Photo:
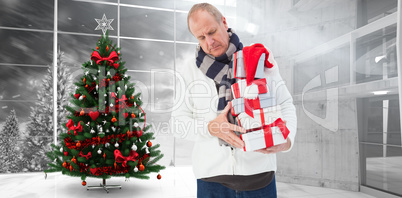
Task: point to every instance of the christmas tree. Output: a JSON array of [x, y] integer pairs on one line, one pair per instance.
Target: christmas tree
[[106, 134], [40, 125], [10, 157]]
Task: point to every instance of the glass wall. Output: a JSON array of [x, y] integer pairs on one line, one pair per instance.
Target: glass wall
[[153, 37]]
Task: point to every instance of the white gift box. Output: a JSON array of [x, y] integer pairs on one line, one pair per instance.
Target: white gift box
[[240, 88], [262, 138], [262, 101], [262, 117]]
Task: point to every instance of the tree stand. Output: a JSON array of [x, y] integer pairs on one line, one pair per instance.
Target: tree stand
[[104, 186]]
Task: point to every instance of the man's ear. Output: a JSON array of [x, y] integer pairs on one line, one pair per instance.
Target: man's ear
[[223, 19]]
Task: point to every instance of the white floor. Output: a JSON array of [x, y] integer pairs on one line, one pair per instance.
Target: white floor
[[175, 182]]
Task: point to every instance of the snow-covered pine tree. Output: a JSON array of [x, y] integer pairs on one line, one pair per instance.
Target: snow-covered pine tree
[[40, 124], [10, 155]]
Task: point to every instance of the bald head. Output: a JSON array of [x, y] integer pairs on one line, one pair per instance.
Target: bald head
[[212, 10]]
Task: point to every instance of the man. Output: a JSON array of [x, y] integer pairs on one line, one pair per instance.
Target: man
[[204, 114]]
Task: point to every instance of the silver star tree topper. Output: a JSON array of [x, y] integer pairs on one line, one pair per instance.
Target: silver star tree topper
[[104, 24]]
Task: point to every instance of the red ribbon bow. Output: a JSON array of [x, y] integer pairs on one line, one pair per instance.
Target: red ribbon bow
[[119, 158], [122, 99], [269, 141], [89, 155], [111, 59], [70, 126]]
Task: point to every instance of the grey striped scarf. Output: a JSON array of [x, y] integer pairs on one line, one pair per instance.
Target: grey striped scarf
[[220, 69]]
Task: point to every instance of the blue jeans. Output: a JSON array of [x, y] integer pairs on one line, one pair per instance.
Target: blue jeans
[[217, 190]]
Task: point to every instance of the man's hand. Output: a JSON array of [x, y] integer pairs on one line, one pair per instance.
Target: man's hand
[[276, 148], [221, 128]]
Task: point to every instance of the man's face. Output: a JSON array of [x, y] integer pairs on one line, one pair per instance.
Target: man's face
[[211, 35]]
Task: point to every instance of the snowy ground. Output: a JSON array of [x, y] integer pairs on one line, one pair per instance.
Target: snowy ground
[[176, 182]]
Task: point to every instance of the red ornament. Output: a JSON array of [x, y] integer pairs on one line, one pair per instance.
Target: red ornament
[[84, 183], [107, 48], [83, 96], [71, 168], [132, 97], [83, 80], [65, 164], [141, 167], [78, 144], [114, 119], [132, 115], [159, 176], [77, 95], [149, 143], [82, 112], [125, 115], [97, 47], [139, 133], [65, 153], [94, 115], [104, 155], [86, 86], [74, 160]]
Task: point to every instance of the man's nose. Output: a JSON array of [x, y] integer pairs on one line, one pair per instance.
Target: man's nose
[[210, 40]]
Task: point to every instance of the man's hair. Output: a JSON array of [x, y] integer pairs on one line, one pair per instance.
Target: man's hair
[[212, 10]]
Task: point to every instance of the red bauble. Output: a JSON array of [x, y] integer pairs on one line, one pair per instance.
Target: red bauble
[[71, 168], [114, 119], [78, 144], [97, 47], [64, 164], [65, 153], [141, 167], [133, 115], [149, 143], [138, 133], [84, 183], [159, 176], [107, 48]]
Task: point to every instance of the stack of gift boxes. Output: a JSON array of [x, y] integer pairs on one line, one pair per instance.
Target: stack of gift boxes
[[255, 108]]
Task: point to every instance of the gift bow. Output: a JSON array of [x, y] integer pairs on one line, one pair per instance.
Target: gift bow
[[70, 126], [88, 155], [119, 158], [269, 141], [111, 59]]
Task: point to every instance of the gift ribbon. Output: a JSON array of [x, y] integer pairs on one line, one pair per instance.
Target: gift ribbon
[[119, 158], [70, 126], [88, 155], [269, 141], [111, 59], [261, 84], [252, 104]]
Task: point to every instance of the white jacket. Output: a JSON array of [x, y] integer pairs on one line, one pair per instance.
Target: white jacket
[[196, 104]]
